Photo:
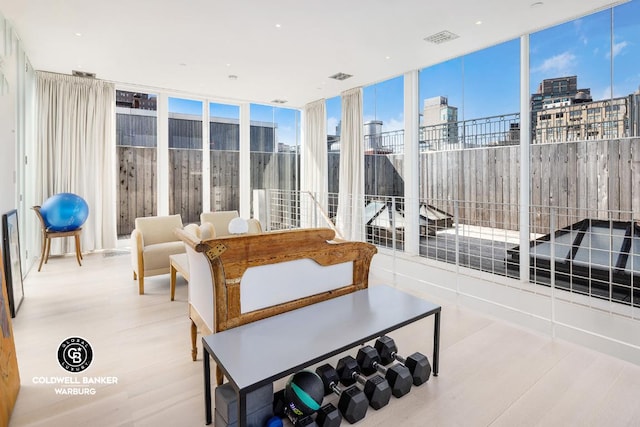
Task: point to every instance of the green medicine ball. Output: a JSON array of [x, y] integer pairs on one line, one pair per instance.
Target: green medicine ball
[[304, 392]]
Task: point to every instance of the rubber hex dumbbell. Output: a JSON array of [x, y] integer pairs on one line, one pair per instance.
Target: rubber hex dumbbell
[[417, 363], [353, 403], [282, 410], [376, 388], [398, 376], [328, 416]]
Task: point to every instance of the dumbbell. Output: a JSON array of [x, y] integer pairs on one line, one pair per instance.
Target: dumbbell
[[353, 403], [327, 416], [398, 376], [376, 388], [417, 363], [281, 409]]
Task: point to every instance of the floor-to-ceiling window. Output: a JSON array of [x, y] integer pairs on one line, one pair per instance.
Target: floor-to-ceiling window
[[469, 136], [224, 150], [136, 145], [275, 158], [185, 158], [584, 126], [334, 113], [383, 120]]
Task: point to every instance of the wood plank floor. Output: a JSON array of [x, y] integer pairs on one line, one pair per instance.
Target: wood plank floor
[[492, 373]]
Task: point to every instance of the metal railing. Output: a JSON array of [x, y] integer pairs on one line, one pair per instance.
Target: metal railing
[[583, 253], [476, 133]]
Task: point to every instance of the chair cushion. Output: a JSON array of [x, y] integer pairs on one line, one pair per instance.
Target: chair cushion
[[220, 221], [158, 229], [156, 257]]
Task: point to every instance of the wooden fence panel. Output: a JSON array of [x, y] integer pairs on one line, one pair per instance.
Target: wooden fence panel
[[578, 179]]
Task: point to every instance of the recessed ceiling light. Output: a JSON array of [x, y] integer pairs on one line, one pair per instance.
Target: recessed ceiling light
[[182, 64], [279, 101], [278, 26], [228, 65], [478, 22], [387, 57], [78, 34], [537, 4], [233, 77]]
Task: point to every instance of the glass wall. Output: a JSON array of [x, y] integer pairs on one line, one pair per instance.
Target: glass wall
[[383, 120], [224, 150], [469, 156], [136, 146], [275, 161], [333, 107], [185, 158]]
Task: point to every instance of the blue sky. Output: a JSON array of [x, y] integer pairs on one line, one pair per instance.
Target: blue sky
[[486, 83], [287, 119]]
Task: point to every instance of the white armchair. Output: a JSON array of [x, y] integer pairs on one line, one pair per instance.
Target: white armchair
[[153, 241], [219, 221]]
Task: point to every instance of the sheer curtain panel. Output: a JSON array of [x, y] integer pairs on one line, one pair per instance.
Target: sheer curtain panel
[[351, 187], [314, 183], [75, 151]]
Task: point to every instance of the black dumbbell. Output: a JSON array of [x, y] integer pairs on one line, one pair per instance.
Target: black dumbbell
[[417, 363], [353, 403], [328, 416], [398, 376], [376, 388], [282, 410]]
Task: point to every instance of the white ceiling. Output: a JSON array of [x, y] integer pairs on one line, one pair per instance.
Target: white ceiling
[[193, 46]]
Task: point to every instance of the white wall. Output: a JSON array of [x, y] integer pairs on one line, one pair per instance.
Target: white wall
[[610, 328], [8, 107]]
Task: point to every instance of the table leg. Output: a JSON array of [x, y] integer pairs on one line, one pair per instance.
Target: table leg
[[207, 384], [242, 409], [436, 344]]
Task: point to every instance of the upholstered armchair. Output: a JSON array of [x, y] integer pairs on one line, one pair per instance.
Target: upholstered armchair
[[219, 221], [153, 241]]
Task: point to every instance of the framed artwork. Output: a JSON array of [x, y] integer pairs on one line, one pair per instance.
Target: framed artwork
[[11, 258], [9, 375]]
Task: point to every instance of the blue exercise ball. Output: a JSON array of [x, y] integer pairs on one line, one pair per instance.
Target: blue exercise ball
[[64, 212]]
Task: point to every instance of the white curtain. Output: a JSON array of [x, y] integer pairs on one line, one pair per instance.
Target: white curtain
[[314, 179], [76, 151], [351, 189]]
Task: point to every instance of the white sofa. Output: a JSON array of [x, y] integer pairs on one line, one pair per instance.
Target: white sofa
[[153, 241]]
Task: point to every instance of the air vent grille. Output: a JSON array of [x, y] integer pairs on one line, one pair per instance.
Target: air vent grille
[[441, 37], [341, 76], [83, 74]]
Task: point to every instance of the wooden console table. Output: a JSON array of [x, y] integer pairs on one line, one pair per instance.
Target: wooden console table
[[261, 352]]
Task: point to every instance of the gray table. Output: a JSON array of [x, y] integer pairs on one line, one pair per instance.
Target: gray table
[[261, 352]]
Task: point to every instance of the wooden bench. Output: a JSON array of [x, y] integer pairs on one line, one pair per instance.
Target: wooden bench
[[235, 280]]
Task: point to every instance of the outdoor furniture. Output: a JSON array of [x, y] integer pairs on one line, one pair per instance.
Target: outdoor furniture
[[47, 235]]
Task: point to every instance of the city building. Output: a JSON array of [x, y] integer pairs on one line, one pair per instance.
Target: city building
[[440, 122]]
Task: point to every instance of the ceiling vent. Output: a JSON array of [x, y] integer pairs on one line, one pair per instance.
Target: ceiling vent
[[341, 76], [441, 37], [83, 74], [279, 101]]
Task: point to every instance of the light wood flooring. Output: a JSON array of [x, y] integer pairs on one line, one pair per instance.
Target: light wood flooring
[[492, 373]]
